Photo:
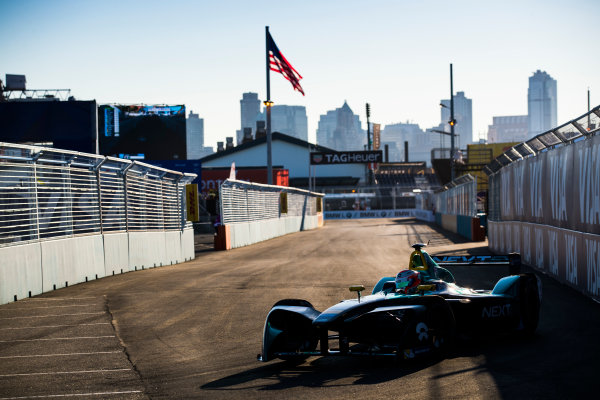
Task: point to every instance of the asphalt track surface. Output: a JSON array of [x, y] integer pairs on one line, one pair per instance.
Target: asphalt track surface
[[193, 330]]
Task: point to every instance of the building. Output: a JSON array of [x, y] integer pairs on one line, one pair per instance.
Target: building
[[291, 154], [194, 129], [249, 112], [290, 120], [541, 103], [340, 129], [420, 143], [463, 114], [512, 128]]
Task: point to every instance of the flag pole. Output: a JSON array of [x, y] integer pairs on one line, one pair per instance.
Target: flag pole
[[268, 105]]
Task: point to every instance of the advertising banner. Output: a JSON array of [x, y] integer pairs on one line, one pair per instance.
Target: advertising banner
[[376, 136], [568, 256], [346, 157], [560, 188], [424, 215], [192, 202]]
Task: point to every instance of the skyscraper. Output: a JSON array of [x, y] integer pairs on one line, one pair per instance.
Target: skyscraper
[[249, 110], [340, 129], [541, 103], [290, 120], [463, 114], [194, 126]]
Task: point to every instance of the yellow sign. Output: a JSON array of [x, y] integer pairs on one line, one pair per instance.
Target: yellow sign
[[192, 203], [283, 203]]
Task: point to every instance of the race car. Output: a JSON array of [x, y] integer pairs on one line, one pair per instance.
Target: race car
[[418, 312]]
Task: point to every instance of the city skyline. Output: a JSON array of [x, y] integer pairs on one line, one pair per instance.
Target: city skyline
[[394, 55]]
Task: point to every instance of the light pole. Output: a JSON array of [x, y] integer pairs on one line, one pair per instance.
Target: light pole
[[452, 122], [369, 174]]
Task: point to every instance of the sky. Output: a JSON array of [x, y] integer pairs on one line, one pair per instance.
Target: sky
[[394, 55]]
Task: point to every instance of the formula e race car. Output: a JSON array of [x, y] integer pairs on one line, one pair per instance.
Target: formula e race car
[[418, 312]]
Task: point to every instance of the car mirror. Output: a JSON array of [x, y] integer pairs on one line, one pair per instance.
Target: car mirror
[[357, 289]]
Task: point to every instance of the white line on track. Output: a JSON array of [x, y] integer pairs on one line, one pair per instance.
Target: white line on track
[[49, 396], [56, 315], [92, 371], [64, 354], [59, 299], [37, 308], [54, 326], [61, 338]]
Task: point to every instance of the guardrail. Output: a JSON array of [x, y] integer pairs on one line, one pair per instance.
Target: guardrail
[[47, 193], [586, 125], [68, 217], [253, 212]]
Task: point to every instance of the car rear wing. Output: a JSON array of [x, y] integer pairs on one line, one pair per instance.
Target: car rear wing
[[512, 260]]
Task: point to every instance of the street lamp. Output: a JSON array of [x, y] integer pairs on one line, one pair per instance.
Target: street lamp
[[452, 123]]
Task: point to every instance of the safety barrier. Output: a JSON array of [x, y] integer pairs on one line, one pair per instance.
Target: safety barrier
[[456, 208], [546, 204], [253, 212], [67, 217]]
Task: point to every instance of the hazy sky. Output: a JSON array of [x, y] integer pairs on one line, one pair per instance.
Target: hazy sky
[[392, 54]]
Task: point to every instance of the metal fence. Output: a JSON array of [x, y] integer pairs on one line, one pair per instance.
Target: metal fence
[[49, 193], [459, 197], [246, 202], [584, 126]]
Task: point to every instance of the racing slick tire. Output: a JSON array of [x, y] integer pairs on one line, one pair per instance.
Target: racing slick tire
[[529, 303], [443, 326]]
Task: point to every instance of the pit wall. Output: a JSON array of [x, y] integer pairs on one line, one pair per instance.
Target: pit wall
[[34, 268], [468, 227], [570, 257], [242, 234]]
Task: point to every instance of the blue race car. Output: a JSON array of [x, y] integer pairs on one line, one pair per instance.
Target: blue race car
[[417, 312]]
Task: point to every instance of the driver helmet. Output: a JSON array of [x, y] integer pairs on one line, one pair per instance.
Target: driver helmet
[[406, 280]]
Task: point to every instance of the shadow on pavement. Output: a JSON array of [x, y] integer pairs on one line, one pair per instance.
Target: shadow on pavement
[[320, 372]]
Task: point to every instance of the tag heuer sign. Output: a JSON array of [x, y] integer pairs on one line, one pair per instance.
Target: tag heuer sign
[[346, 157]]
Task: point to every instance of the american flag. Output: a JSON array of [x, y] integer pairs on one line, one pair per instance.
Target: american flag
[[278, 63]]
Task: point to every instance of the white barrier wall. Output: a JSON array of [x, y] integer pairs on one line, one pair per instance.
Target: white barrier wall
[[116, 253], [34, 268], [247, 233], [20, 271], [69, 261]]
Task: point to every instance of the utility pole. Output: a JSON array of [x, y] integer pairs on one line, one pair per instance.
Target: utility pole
[[369, 141], [452, 122]]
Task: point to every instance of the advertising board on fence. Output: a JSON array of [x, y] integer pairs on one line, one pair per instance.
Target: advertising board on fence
[[549, 211], [568, 256], [559, 187], [424, 215]]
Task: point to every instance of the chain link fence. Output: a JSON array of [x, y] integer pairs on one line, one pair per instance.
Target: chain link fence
[[48, 193]]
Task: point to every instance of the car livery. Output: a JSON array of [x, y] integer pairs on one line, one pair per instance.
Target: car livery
[[393, 322]]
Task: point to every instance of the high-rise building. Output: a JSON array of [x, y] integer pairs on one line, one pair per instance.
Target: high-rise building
[[249, 111], [290, 120], [463, 114], [340, 129], [541, 103], [512, 128], [194, 127], [420, 143]]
